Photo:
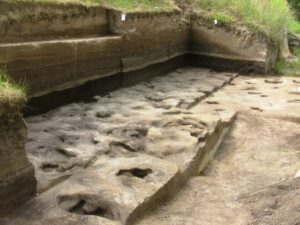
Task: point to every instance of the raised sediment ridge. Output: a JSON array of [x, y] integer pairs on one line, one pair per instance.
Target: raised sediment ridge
[[119, 156]]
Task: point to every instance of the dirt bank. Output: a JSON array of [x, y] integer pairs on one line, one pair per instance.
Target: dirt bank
[[30, 21], [60, 47], [17, 181]]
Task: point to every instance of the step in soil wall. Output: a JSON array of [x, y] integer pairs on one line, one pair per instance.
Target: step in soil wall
[[48, 66], [226, 47], [132, 50], [42, 104], [54, 65], [150, 38], [29, 21]]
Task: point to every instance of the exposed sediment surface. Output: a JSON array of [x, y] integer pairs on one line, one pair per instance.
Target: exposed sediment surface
[[115, 157], [255, 176], [150, 118], [250, 182], [138, 144], [17, 181]]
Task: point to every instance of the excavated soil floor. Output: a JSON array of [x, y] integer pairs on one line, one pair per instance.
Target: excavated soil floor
[[251, 181], [115, 159]]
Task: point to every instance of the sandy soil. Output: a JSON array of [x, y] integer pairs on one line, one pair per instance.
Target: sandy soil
[[251, 181]]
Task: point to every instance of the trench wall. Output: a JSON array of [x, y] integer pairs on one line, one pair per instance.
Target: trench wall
[[72, 45], [225, 47], [73, 50], [63, 63], [150, 38], [27, 21], [17, 181]]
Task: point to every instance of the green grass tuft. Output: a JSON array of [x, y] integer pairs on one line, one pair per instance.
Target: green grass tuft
[[294, 26], [11, 93], [124, 5], [289, 67], [280, 66], [295, 65], [295, 5], [140, 5], [221, 18], [270, 17]]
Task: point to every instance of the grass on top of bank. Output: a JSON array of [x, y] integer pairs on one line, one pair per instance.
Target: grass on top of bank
[[270, 17], [124, 5], [11, 93], [289, 67], [140, 5], [294, 26]]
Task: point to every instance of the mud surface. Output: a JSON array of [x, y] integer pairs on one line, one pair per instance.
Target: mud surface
[[152, 118], [251, 181], [116, 157]]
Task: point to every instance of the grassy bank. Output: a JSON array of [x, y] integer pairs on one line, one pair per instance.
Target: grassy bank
[[289, 67], [295, 4], [11, 94], [270, 17], [294, 26], [124, 5], [139, 5]]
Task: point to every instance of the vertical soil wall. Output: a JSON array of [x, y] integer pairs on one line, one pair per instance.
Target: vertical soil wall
[[27, 21], [227, 47], [149, 39], [58, 63], [65, 46], [17, 181]]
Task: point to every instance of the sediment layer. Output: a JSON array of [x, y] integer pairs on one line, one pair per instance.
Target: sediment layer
[[62, 61], [17, 181], [126, 151]]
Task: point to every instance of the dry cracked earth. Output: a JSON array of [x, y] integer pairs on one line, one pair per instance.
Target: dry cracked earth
[[143, 154]]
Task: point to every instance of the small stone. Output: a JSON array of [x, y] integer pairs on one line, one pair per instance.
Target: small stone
[[297, 174], [69, 204], [254, 93], [296, 91], [257, 109], [68, 152], [88, 208], [103, 114], [296, 81], [273, 81]]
